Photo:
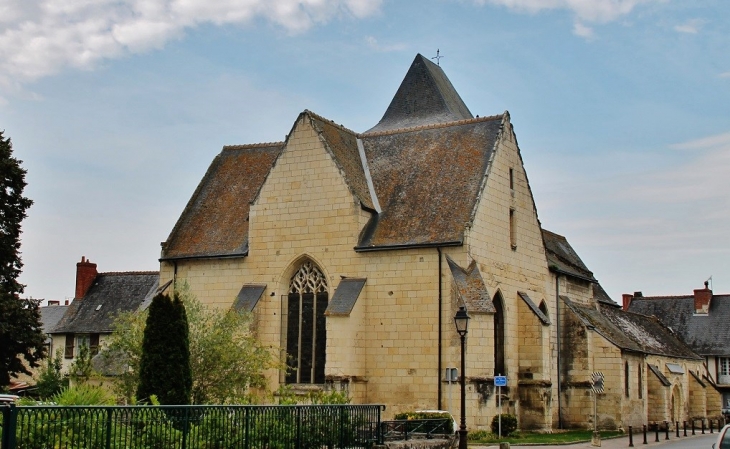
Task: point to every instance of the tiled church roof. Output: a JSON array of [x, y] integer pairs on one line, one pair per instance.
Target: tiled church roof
[[426, 179], [215, 221]]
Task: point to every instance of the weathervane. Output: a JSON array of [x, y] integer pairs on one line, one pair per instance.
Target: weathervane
[[437, 57]]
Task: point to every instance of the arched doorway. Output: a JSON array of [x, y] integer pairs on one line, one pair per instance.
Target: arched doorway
[[306, 330], [675, 404]]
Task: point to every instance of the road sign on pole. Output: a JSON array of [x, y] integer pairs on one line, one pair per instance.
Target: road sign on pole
[[500, 381], [597, 379]]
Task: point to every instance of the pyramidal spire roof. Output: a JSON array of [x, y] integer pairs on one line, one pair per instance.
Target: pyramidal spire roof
[[425, 97]]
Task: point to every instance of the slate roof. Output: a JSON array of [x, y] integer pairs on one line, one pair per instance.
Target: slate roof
[[428, 181], [248, 297], [110, 294], [632, 331], [425, 97], [562, 257], [50, 316], [708, 335], [534, 307], [215, 220], [658, 373], [345, 297], [471, 287]]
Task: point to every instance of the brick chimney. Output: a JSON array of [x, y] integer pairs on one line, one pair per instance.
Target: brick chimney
[[703, 297], [627, 297], [85, 275]]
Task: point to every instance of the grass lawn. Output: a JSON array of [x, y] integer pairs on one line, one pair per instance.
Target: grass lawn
[[570, 436]]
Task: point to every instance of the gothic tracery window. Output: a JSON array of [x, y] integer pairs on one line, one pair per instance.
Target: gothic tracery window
[[306, 334]]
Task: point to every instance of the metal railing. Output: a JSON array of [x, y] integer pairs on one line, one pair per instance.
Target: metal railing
[[405, 429], [190, 427]]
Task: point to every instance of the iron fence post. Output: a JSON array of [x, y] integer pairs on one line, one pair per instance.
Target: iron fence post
[[299, 426], [645, 435], [10, 417], [246, 419], [108, 427]]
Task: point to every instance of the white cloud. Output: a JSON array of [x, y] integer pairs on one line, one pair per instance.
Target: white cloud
[[691, 26], [583, 31], [377, 46], [41, 37], [584, 10], [725, 75], [718, 141]]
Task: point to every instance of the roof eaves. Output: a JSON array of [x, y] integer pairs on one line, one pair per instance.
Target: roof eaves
[[364, 249]]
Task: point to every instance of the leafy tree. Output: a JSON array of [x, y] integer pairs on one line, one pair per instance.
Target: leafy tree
[[226, 359], [22, 343], [165, 362], [123, 352], [81, 369], [50, 380]]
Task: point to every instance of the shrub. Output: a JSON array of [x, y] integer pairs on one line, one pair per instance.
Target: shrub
[[509, 424], [450, 426], [84, 394]]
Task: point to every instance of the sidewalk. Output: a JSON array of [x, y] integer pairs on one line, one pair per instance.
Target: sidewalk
[[701, 441]]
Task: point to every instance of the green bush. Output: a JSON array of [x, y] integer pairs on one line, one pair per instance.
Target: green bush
[[83, 394], [509, 424]]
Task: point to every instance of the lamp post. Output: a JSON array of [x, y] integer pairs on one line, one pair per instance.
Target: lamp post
[[461, 319]]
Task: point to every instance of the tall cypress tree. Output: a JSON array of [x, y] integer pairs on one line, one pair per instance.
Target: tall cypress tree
[[165, 363], [22, 343]]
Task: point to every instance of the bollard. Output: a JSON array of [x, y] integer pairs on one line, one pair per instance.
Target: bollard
[[693, 426], [676, 427], [644, 435], [702, 421], [631, 436], [684, 424], [504, 445], [656, 429], [666, 430], [711, 423]]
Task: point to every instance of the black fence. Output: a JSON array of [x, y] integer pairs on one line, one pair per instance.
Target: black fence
[[406, 429], [190, 427]]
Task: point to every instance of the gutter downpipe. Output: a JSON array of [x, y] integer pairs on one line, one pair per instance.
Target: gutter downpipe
[[557, 312], [174, 275], [440, 335]]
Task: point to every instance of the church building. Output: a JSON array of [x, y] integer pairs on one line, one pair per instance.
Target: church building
[[354, 250]]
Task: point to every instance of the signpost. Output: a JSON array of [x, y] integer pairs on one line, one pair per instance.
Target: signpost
[[597, 380], [499, 382]]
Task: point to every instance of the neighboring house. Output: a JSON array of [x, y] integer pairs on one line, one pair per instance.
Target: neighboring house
[[702, 320], [99, 299], [650, 374], [50, 316], [354, 251]]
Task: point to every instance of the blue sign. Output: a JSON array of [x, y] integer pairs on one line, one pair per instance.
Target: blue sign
[[500, 381]]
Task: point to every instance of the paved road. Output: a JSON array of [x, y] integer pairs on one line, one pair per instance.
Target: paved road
[[690, 442]]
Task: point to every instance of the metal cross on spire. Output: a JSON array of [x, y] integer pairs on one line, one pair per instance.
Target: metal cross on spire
[[437, 57]]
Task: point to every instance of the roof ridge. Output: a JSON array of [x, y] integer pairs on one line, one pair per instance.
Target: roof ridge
[[665, 297], [331, 122], [432, 126], [120, 273], [252, 145]]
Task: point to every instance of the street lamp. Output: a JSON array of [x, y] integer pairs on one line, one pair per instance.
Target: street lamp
[[461, 319]]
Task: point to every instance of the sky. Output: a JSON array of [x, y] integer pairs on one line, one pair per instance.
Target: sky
[[621, 110]]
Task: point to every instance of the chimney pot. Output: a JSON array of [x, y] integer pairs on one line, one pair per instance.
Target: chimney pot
[[85, 275], [638, 295]]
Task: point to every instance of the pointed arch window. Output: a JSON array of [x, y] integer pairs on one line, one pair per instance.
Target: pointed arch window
[[499, 365], [306, 331]]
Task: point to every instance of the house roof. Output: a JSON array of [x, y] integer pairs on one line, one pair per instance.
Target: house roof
[[471, 287], [110, 295], [425, 97], [215, 220], [708, 334], [631, 331], [50, 316], [428, 181]]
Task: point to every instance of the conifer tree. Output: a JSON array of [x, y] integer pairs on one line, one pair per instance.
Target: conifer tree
[[165, 362], [22, 343]]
